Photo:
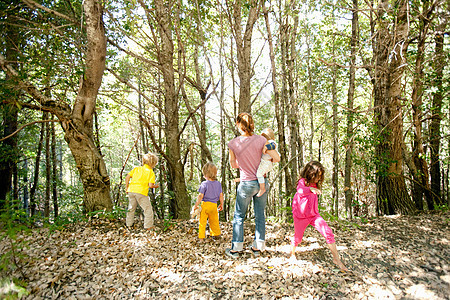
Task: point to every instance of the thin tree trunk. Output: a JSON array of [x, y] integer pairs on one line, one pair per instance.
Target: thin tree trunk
[[48, 171], [421, 183], [141, 126], [54, 172], [294, 137], [10, 110], [335, 174], [33, 204], [310, 97], [435, 127], [350, 96], [243, 48], [279, 115], [26, 196]]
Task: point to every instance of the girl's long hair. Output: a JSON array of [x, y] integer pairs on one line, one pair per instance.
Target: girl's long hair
[[311, 171]]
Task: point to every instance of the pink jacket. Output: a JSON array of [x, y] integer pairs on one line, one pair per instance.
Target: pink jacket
[[305, 203]]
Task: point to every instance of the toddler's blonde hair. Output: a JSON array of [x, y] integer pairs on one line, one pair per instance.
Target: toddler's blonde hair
[[210, 171], [268, 134], [150, 159]]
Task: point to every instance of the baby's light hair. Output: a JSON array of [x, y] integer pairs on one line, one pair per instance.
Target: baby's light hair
[[268, 134], [150, 159], [210, 171]]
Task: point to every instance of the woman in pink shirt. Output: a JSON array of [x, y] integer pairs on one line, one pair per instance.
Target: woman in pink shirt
[[305, 209], [245, 154]]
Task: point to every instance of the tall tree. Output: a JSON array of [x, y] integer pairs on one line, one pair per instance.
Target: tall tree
[[421, 185], [172, 132], [390, 50], [9, 97], [350, 96], [243, 40], [435, 126], [77, 121], [54, 179]]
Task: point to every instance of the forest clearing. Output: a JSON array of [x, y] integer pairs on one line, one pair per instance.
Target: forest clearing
[[110, 105], [396, 257]]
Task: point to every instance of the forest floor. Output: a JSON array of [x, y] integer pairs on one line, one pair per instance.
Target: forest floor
[[400, 257]]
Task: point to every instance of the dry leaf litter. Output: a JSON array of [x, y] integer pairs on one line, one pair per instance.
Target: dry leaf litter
[[390, 258]]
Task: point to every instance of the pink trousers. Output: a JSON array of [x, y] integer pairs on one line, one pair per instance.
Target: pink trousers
[[317, 222]]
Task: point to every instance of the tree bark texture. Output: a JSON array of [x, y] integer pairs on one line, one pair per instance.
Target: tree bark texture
[[173, 152], [421, 184], [435, 126], [54, 171], [243, 48], [48, 170], [390, 51], [350, 96], [10, 111]]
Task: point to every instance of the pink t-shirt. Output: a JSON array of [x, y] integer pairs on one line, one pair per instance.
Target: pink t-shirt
[[248, 151]]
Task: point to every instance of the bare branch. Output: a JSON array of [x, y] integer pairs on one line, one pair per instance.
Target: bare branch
[[25, 125]]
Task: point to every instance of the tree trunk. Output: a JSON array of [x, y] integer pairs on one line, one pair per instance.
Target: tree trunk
[[79, 132], [435, 126], [391, 46], [48, 171], [243, 49], [294, 137], [54, 172], [335, 174], [10, 110], [33, 204], [173, 152], [421, 183], [350, 96], [78, 122], [310, 97]]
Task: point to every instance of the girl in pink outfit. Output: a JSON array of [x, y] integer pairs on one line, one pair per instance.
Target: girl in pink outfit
[[305, 209]]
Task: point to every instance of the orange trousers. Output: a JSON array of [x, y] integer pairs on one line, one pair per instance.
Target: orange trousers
[[209, 212]]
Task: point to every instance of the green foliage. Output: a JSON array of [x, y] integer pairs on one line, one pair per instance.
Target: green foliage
[[13, 288], [441, 208], [167, 223], [12, 222]]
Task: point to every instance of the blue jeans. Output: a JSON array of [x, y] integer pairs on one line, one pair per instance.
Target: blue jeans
[[247, 191]]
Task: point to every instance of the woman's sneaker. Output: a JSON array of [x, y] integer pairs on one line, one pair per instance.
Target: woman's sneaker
[[231, 253], [255, 252]]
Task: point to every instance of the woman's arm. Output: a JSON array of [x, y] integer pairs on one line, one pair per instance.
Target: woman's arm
[[233, 162]]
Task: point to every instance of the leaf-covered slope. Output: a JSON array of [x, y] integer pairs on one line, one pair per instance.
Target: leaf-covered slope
[[393, 258]]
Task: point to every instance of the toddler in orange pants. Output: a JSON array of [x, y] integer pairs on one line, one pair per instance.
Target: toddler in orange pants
[[210, 192]]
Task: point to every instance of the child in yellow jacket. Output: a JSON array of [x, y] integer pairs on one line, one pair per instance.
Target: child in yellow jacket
[[142, 178]]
